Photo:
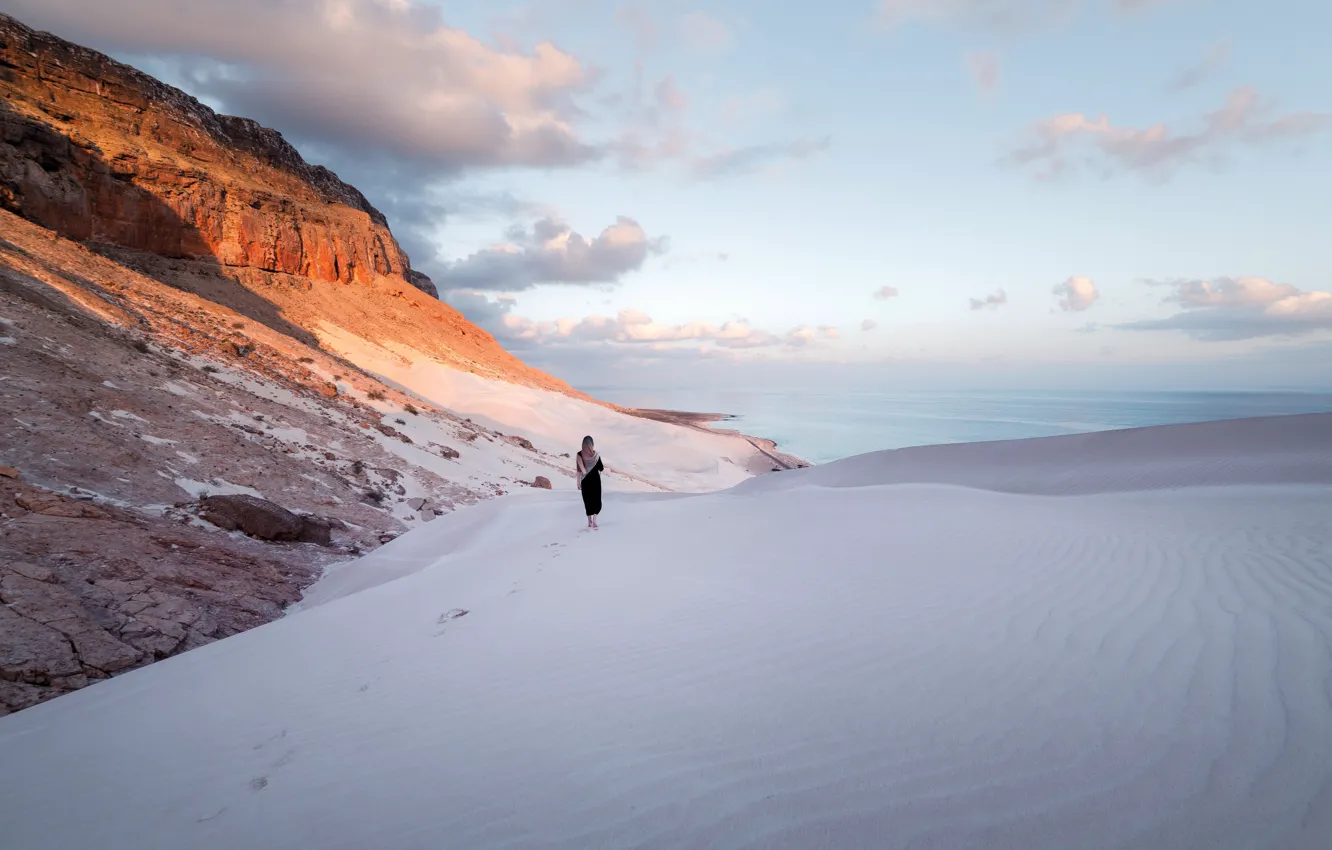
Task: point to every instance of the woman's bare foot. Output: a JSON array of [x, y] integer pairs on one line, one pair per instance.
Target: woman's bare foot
[[594, 522]]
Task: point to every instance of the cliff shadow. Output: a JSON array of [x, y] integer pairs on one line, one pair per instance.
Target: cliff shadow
[[69, 186]]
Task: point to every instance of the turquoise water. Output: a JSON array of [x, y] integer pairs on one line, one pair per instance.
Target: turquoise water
[[821, 425]]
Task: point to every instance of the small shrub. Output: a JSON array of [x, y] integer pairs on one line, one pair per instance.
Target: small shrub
[[305, 360], [209, 368], [238, 325], [141, 347], [400, 421], [358, 467], [376, 395], [411, 408]]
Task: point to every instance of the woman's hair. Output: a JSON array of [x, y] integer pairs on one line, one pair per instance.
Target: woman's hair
[[587, 442]]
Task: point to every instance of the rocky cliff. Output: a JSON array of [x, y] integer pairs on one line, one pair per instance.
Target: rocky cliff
[[166, 277], [101, 152]]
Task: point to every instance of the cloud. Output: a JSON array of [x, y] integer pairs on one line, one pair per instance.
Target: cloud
[[829, 332], [629, 328], [704, 33], [752, 158], [985, 70], [996, 16], [1215, 59], [883, 293], [992, 301], [1241, 308], [868, 325], [1076, 294], [1056, 142], [552, 252], [387, 76], [479, 309]]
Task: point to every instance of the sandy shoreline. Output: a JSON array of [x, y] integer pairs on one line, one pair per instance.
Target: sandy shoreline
[[703, 422]]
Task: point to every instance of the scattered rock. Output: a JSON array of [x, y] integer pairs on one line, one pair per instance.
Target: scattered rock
[[9, 472], [522, 442], [427, 514], [53, 504], [240, 346], [416, 504], [328, 390], [541, 482], [263, 519]]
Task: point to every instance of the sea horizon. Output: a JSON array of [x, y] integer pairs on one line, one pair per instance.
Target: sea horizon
[[825, 425]]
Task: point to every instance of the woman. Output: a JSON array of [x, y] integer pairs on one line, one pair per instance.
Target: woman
[[589, 480]]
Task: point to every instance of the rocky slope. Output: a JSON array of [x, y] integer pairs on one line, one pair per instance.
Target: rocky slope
[[164, 273]]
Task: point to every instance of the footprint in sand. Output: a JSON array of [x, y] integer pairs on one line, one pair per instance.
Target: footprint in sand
[[277, 737], [259, 783]]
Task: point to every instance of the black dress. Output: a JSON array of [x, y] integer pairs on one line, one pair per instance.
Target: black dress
[[592, 489]]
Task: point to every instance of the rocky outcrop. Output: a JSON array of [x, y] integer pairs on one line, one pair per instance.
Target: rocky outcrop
[[541, 482], [91, 590], [264, 520], [100, 152]]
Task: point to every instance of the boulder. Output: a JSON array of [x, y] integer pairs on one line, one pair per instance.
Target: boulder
[[263, 519], [9, 472], [416, 504], [541, 482]]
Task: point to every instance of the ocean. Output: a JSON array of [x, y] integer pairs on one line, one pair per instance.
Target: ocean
[[824, 425]]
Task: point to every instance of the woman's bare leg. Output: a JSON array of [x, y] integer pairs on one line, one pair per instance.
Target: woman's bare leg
[[594, 522]]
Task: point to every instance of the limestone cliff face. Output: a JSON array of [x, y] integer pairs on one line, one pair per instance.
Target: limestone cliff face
[[102, 153]]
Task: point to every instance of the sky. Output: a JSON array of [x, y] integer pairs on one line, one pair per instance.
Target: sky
[[1019, 192]]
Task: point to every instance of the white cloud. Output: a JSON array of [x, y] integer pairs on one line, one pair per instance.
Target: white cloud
[[1076, 294], [387, 76], [829, 332], [552, 252], [631, 327], [868, 325], [753, 157], [1056, 143], [883, 293], [1241, 308], [992, 301], [985, 70]]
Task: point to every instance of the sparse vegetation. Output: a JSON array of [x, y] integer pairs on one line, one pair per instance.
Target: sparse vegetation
[[376, 395], [238, 325], [305, 360], [358, 467], [209, 368], [400, 421], [411, 408], [142, 347]]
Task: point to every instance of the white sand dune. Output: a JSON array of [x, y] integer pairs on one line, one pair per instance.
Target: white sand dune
[[642, 454], [854, 656]]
